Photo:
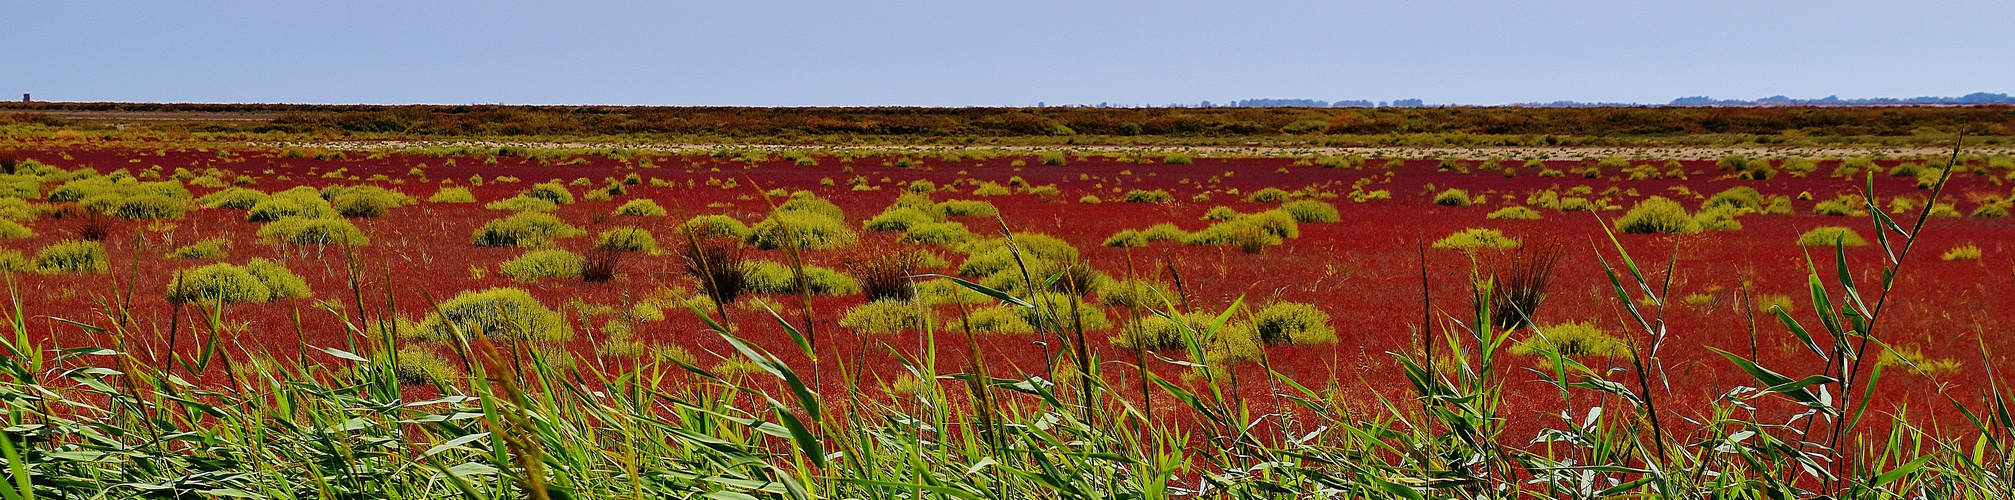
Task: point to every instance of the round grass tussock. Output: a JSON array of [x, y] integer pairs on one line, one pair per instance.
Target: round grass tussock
[[1143, 196], [522, 203], [452, 195], [499, 313], [1736, 197], [641, 207], [886, 316], [1452, 198], [1514, 213], [1292, 323], [550, 191], [1572, 339], [1826, 236], [993, 256], [236, 198], [966, 208], [626, 239], [1221, 213], [1657, 215], [1267, 195], [524, 229], [939, 233], [773, 277], [1475, 238], [421, 366], [313, 232], [11, 230], [1307, 211], [214, 283], [804, 202], [1138, 293], [1159, 333], [810, 231], [72, 257], [367, 201], [717, 225], [543, 264], [1002, 319], [280, 281], [207, 249], [897, 219], [290, 206], [138, 206], [1057, 307], [258, 281]]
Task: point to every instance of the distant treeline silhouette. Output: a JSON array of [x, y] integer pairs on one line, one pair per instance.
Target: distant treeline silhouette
[[492, 120]]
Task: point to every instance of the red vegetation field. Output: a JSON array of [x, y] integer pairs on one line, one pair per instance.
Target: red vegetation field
[[1364, 271]]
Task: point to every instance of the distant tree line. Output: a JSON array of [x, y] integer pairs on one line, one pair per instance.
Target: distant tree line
[[494, 120]]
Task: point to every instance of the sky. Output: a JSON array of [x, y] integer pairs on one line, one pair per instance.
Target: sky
[[998, 53]]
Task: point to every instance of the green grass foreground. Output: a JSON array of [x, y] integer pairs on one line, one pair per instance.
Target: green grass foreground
[[107, 422]]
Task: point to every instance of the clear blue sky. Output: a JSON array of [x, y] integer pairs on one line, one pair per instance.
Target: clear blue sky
[[998, 53]]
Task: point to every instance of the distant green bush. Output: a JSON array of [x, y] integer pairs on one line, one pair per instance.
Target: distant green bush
[[1164, 232], [1474, 238], [1052, 157], [939, 233], [808, 230], [294, 231], [991, 189], [1452, 198], [887, 316], [1292, 323], [72, 257], [772, 277], [1514, 213], [1055, 308], [293, 203], [1826, 236], [1144, 196], [966, 208], [452, 195], [524, 229], [641, 207], [207, 249], [1125, 238], [1222, 213], [1002, 319], [500, 313], [1572, 339], [1267, 195], [1657, 215], [366, 201], [260, 280], [1737, 197], [992, 256], [626, 239], [522, 203], [1243, 232], [216, 283], [1159, 333], [550, 191], [236, 198], [1720, 218], [717, 225], [137, 206], [543, 264], [897, 219], [805, 202], [1311, 211], [1177, 159], [1138, 293], [11, 230]]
